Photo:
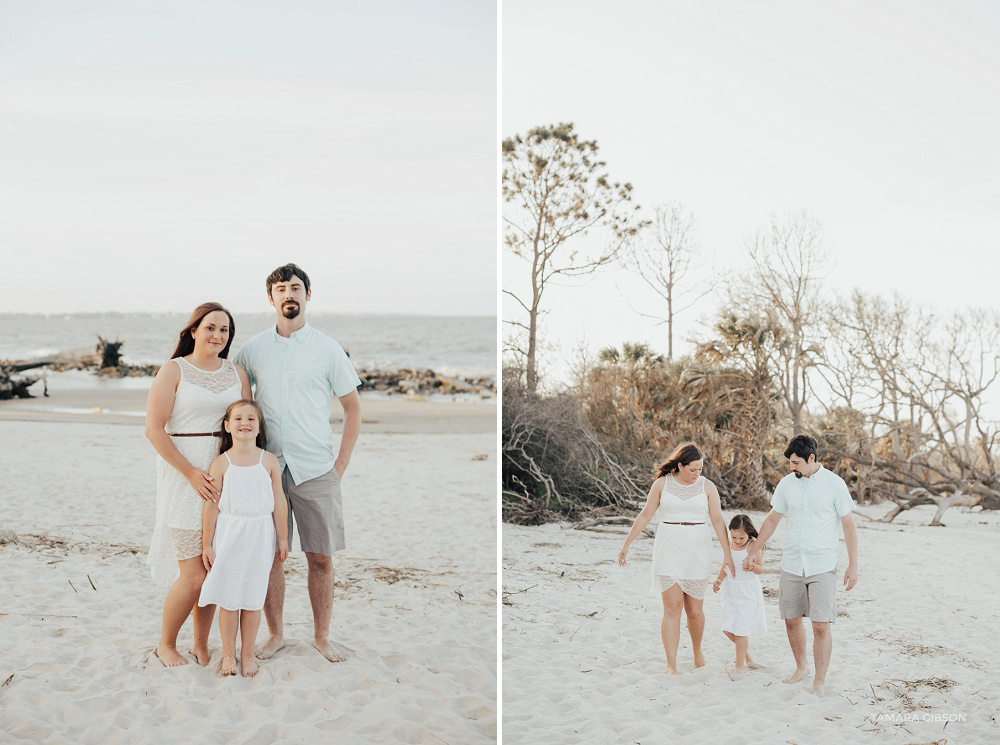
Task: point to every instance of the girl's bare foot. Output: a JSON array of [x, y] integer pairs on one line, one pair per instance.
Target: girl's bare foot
[[202, 655], [753, 665], [249, 665], [227, 666], [699, 659], [799, 674], [819, 689], [169, 656]]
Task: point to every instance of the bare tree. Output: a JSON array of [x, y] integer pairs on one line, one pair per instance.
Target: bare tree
[[663, 257], [787, 263], [559, 191]]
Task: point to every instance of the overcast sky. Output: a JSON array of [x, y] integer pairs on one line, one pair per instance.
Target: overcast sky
[[880, 119], [154, 155]]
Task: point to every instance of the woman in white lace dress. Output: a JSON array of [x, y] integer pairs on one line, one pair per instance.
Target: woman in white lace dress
[[683, 505], [184, 411]]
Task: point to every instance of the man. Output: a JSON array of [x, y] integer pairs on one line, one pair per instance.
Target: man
[[296, 371], [815, 501]]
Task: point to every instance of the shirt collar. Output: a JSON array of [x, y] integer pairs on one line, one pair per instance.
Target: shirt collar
[[296, 336]]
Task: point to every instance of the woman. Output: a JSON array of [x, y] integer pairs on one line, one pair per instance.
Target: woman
[[682, 502], [186, 404]]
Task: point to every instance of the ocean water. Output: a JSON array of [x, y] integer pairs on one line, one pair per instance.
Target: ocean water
[[450, 345]]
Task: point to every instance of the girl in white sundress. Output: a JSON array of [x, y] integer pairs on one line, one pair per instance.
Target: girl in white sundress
[[685, 508], [186, 403], [243, 532], [742, 595]]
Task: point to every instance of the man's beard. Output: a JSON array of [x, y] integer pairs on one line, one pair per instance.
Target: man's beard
[[797, 474], [290, 311]]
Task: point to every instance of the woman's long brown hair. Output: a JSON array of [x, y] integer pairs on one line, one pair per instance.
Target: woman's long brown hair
[[685, 453], [185, 342], [226, 441]]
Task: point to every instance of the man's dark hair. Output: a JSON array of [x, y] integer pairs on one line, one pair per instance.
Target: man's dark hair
[[802, 446], [285, 273]]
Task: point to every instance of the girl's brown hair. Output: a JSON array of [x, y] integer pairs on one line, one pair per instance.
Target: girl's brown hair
[[185, 342], [744, 523], [226, 441], [685, 453]]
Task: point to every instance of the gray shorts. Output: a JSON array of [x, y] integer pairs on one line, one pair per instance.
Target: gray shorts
[[318, 509], [814, 596]]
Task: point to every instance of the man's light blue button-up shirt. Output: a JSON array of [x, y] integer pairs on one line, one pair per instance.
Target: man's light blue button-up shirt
[[812, 508], [294, 381]]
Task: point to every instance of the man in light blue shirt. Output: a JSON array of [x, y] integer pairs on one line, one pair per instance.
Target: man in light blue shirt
[[296, 371], [816, 502]]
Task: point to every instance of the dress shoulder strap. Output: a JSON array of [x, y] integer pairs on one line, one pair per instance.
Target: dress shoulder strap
[[227, 458], [179, 365], [261, 460]]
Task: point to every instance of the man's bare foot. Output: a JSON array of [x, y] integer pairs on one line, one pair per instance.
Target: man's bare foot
[[673, 671], [170, 657], [819, 689], [329, 650], [753, 665], [202, 655], [268, 649], [699, 659], [250, 667], [799, 674], [227, 666]]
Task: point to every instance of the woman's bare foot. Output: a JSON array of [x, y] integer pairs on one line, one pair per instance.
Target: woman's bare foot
[[169, 656], [268, 649], [227, 666], [249, 665], [753, 665], [799, 674], [699, 659], [330, 650], [673, 671], [202, 655]]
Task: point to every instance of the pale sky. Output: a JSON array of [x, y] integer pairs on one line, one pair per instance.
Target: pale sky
[[880, 119], [157, 154]]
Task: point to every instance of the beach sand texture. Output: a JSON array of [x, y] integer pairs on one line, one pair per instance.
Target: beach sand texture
[[583, 661], [415, 595]]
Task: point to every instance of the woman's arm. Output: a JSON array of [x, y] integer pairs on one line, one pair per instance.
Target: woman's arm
[[643, 518], [247, 394], [715, 515], [159, 404], [210, 516], [280, 506]]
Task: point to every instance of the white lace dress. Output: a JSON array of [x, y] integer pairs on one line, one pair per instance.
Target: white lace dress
[[244, 542], [682, 554], [200, 403]]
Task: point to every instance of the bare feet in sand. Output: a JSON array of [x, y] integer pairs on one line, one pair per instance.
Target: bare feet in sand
[[330, 650], [202, 655], [753, 665], [673, 671], [169, 656], [227, 666], [819, 689], [249, 665], [737, 673], [699, 660], [798, 675], [268, 649]]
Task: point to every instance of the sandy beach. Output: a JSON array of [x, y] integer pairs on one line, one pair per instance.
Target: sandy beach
[[915, 658], [415, 589]]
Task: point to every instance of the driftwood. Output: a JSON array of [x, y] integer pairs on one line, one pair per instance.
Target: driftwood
[[943, 501], [614, 520]]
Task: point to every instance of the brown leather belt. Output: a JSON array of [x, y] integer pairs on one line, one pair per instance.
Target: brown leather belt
[[666, 523], [197, 434]]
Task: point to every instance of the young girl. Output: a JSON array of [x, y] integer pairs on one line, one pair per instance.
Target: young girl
[[742, 596], [242, 533]]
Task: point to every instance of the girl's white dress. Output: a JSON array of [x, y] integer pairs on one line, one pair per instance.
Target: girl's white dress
[[682, 554], [245, 541], [742, 600], [200, 403]]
